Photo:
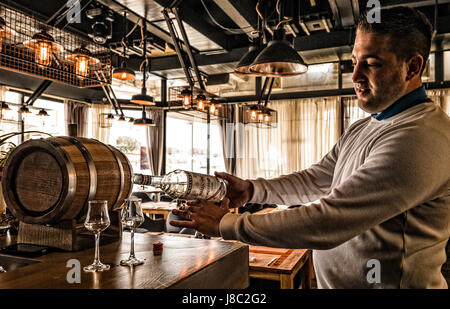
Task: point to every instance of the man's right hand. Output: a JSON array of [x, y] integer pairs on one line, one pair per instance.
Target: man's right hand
[[239, 191]]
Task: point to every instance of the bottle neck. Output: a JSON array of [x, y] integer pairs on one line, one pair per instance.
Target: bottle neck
[[156, 181], [147, 180]]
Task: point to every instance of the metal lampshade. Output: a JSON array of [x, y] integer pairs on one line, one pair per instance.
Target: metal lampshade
[[124, 73], [43, 113], [279, 59], [4, 106], [142, 99], [144, 122], [247, 60]]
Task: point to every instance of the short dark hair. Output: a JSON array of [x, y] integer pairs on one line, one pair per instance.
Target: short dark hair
[[409, 29]]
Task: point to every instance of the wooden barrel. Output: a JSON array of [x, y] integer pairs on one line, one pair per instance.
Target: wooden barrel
[[46, 181]]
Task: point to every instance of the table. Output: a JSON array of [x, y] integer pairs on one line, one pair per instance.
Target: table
[[281, 265], [185, 263], [158, 208]]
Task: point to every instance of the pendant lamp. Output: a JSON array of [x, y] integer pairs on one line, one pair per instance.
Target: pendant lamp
[[124, 73], [83, 60], [279, 59], [143, 98], [44, 46], [144, 121]]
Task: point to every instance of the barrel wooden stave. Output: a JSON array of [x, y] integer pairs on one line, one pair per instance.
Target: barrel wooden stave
[[61, 174]]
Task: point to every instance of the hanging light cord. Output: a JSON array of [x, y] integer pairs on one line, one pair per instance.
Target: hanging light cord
[[283, 19]]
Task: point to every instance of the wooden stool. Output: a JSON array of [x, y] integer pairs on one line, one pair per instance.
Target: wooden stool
[[281, 265]]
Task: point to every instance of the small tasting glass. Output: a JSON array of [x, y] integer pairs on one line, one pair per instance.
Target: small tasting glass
[[97, 220], [132, 217]]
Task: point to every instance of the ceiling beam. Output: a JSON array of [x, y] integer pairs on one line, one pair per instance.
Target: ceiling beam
[[236, 10], [191, 17]]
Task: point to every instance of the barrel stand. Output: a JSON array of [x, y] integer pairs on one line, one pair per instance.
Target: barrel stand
[[69, 235]]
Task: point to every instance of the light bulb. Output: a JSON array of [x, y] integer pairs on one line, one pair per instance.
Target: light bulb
[[186, 100], [82, 67], [42, 55], [260, 117], [267, 118], [124, 76], [253, 115], [200, 105], [212, 108]]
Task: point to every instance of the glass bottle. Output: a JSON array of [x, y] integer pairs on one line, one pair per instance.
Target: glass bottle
[[186, 185]]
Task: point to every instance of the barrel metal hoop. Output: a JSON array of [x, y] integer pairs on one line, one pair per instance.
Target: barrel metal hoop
[[71, 174], [91, 167], [130, 189], [122, 176]]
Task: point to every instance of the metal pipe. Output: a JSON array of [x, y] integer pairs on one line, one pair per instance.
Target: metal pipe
[[188, 49], [178, 48]]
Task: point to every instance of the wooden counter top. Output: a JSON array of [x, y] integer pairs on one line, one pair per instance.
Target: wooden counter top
[[185, 263]]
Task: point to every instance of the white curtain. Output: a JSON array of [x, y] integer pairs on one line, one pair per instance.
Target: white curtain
[[76, 113], [306, 130], [98, 131], [155, 141], [441, 97], [352, 112]]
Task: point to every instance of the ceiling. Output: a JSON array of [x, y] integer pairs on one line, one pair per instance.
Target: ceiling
[[220, 31]]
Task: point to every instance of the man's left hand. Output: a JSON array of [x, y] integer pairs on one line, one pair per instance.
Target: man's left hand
[[204, 217]]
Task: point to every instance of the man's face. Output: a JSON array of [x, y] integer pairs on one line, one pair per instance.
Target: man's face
[[378, 76]]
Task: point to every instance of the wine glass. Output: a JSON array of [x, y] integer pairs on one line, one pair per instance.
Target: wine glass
[[132, 217], [97, 220]]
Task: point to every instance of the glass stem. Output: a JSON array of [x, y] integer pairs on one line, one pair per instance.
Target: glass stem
[[97, 249], [132, 244]]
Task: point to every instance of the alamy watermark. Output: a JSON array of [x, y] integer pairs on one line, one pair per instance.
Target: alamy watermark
[[74, 273], [374, 273], [74, 14], [374, 14]]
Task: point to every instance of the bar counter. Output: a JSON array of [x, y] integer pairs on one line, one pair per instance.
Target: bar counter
[[185, 263]]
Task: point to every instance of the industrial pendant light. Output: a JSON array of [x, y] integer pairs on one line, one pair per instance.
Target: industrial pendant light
[[243, 67], [144, 121], [186, 96], [279, 58], [5, 31], [143, 98], [83, 60], [43, 113], [124, 73], [44, 46]]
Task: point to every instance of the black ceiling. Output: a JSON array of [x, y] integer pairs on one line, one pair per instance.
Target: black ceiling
[[220, 31]]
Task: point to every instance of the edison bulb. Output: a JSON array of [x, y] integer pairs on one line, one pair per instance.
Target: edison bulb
[[186, 101], [260, 117], [267, 118], [43, 52], [200, 105], [253, 115], [82, 67], [212, 108]]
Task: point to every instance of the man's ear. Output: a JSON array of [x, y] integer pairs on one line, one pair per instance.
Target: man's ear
[[415, 65]]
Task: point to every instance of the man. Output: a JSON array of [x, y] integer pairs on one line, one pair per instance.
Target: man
[[383, 215]]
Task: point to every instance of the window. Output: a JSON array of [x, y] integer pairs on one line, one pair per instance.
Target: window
[[130, 139], [53, 124], [186, 145]]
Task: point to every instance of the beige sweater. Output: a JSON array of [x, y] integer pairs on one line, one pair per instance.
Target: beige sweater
[[384, 193]]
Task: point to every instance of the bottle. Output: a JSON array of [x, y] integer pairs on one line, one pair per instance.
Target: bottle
[[186, 185]]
